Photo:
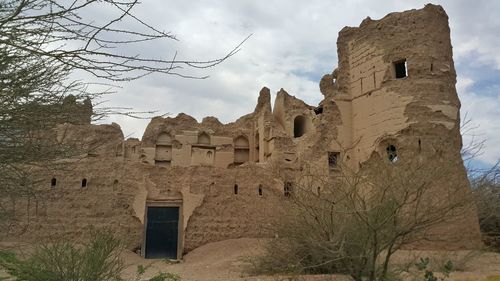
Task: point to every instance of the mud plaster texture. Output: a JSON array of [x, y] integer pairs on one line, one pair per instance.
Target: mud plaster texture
[[224, 177]]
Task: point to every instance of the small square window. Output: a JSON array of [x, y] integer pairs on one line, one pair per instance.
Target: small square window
[[333, 158], [400, 69], [392, 154]]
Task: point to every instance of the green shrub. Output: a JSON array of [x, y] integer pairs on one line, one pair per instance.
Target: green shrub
[[166, 277], [97, 260], [423, 266]]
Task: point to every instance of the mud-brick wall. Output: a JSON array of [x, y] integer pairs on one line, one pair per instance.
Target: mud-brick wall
[[226, 214], [70, 211]]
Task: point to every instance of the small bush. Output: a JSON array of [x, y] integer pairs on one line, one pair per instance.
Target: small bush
[[166, 277], [486, 186], [423, 266], [141, 270], [97, 260]]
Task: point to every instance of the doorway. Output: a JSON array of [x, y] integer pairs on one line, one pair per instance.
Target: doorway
[[162, 232]]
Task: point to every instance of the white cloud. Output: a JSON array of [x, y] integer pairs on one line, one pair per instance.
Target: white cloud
[[484, 114]]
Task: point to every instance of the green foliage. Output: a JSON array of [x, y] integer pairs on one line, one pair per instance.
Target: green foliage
[[423, 265], [141, 269], [162, 276], [97, 260], [166, 277], [486, 187]]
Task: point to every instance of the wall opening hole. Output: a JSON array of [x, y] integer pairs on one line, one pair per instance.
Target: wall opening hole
[[400, 68], [260, 190], [318, 110], [419, 145], [299, 126], [333, 158], [318, 190], [84, 183], [257, 145], [53, 182], [392, 153], [287, 189], [235, 189], [432, 67]]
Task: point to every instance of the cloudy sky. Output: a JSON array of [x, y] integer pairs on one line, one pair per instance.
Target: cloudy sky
[[292, 46]]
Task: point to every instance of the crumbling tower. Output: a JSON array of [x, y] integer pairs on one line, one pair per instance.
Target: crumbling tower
[[395, 90]]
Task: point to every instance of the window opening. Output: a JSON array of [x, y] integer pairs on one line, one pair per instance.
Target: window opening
[[299, 126], [84, 183], [53, 182], [392, 154], [287, 189], [257, 144], [400, 69], [260, 190], [318, 110], [235, 189], [333, 158]]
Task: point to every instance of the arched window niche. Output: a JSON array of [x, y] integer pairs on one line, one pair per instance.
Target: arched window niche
[[299, 126], [241, 150], [163, 151], [204, 138]]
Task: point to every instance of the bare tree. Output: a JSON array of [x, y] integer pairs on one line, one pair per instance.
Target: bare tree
[[59, 33], [43, 43], [485, 183]]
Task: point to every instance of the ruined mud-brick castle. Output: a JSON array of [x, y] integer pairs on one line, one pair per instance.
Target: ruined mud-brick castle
[[185, 184]]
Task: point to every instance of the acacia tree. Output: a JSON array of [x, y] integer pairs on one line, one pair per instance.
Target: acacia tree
[[43, 43], [352, 221]]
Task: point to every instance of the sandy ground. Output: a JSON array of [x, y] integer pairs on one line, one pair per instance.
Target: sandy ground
[[225, 261]]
